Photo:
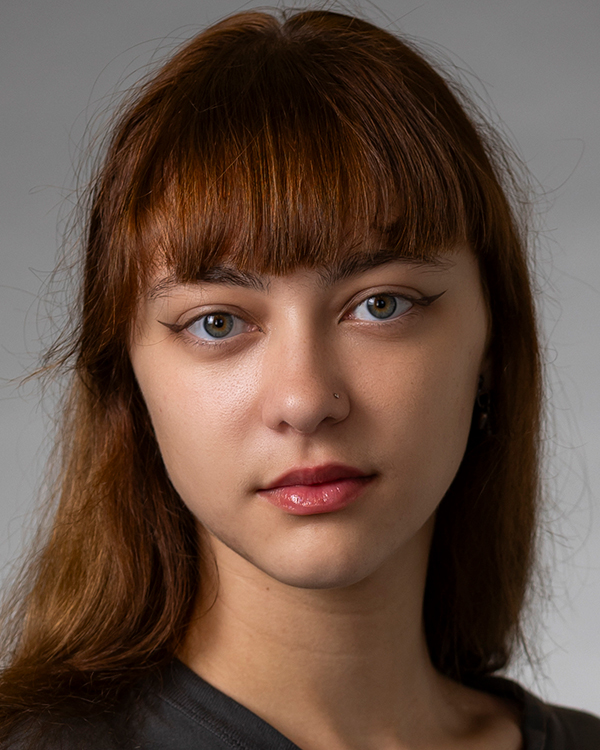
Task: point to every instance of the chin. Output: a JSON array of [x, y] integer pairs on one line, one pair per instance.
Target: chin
[[310, 577], [327, 552], [319, 566]]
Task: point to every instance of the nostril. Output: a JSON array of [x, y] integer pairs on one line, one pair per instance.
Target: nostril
[[303, 410]]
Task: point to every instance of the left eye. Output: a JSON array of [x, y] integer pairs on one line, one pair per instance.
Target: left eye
[[382, 307], [218, 325]]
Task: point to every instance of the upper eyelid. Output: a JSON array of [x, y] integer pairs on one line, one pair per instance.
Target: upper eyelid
[[222, 309], [178, 327], [213, 340], [352, 308], [359, 299], [418, 299]]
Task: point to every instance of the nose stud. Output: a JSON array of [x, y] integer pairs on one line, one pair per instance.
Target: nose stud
[[336, 395]]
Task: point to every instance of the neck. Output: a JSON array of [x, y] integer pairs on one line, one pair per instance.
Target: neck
[[353, 659]]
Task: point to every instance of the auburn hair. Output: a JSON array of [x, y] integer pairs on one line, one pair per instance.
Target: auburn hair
[[272, 142]]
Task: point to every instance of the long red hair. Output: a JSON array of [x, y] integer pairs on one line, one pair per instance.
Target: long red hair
[[269, 143]]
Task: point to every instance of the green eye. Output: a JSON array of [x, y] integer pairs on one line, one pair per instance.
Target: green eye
[[382, 307], [216, 326]]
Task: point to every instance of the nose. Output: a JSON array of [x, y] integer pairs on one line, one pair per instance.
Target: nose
[[302, 384]]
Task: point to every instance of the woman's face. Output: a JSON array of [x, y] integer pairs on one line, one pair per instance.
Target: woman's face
[[239, 375]]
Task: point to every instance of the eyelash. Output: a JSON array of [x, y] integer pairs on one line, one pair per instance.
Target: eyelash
[[419, 301], [180, 329]]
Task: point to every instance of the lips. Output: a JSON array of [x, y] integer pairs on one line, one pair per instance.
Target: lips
[[315, 490], [316, 475]]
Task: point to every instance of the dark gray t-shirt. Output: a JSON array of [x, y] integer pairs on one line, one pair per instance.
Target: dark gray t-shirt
[[183, 712]]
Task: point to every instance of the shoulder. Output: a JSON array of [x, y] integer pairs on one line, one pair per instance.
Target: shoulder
[[572, 729], [170, 709], [74, 726], [545, 726], [60, 733]]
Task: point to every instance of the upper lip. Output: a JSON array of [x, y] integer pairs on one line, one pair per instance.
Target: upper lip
[[315, 475]]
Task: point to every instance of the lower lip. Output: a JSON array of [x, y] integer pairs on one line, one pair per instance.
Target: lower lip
[[311, 499]]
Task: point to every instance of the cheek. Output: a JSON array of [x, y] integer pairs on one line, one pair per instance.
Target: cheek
[[418, 408], [198, 421], [423, 390]]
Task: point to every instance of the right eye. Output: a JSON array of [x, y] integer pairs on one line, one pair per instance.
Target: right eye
[[217, 326]]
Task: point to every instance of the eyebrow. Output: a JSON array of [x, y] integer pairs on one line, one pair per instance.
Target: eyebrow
[[347, 267], [352, 265], [220, 274]]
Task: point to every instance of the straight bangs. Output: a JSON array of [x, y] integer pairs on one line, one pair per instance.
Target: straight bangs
[[271, 147]]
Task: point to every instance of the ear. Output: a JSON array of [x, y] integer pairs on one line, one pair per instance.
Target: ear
[[484, 383], [483, 400]]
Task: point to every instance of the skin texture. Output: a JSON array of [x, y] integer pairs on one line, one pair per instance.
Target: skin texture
[[320, 615]]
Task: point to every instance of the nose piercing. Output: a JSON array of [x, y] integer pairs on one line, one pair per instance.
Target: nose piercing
[[336, 395]]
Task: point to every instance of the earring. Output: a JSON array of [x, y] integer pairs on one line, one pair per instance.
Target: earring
[[483, 403], [336, 395]]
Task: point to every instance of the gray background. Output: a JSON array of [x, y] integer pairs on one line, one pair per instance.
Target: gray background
[[540, 63]]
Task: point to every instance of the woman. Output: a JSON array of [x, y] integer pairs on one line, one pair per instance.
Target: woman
[[299, 472]]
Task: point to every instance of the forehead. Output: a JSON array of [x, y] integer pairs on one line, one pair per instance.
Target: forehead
[[328, 275]]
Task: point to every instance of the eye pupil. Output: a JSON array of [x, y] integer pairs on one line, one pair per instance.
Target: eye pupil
[[382, 306], [218, 325]]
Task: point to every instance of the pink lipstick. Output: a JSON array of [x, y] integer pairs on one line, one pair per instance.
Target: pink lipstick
[[322, 489]]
